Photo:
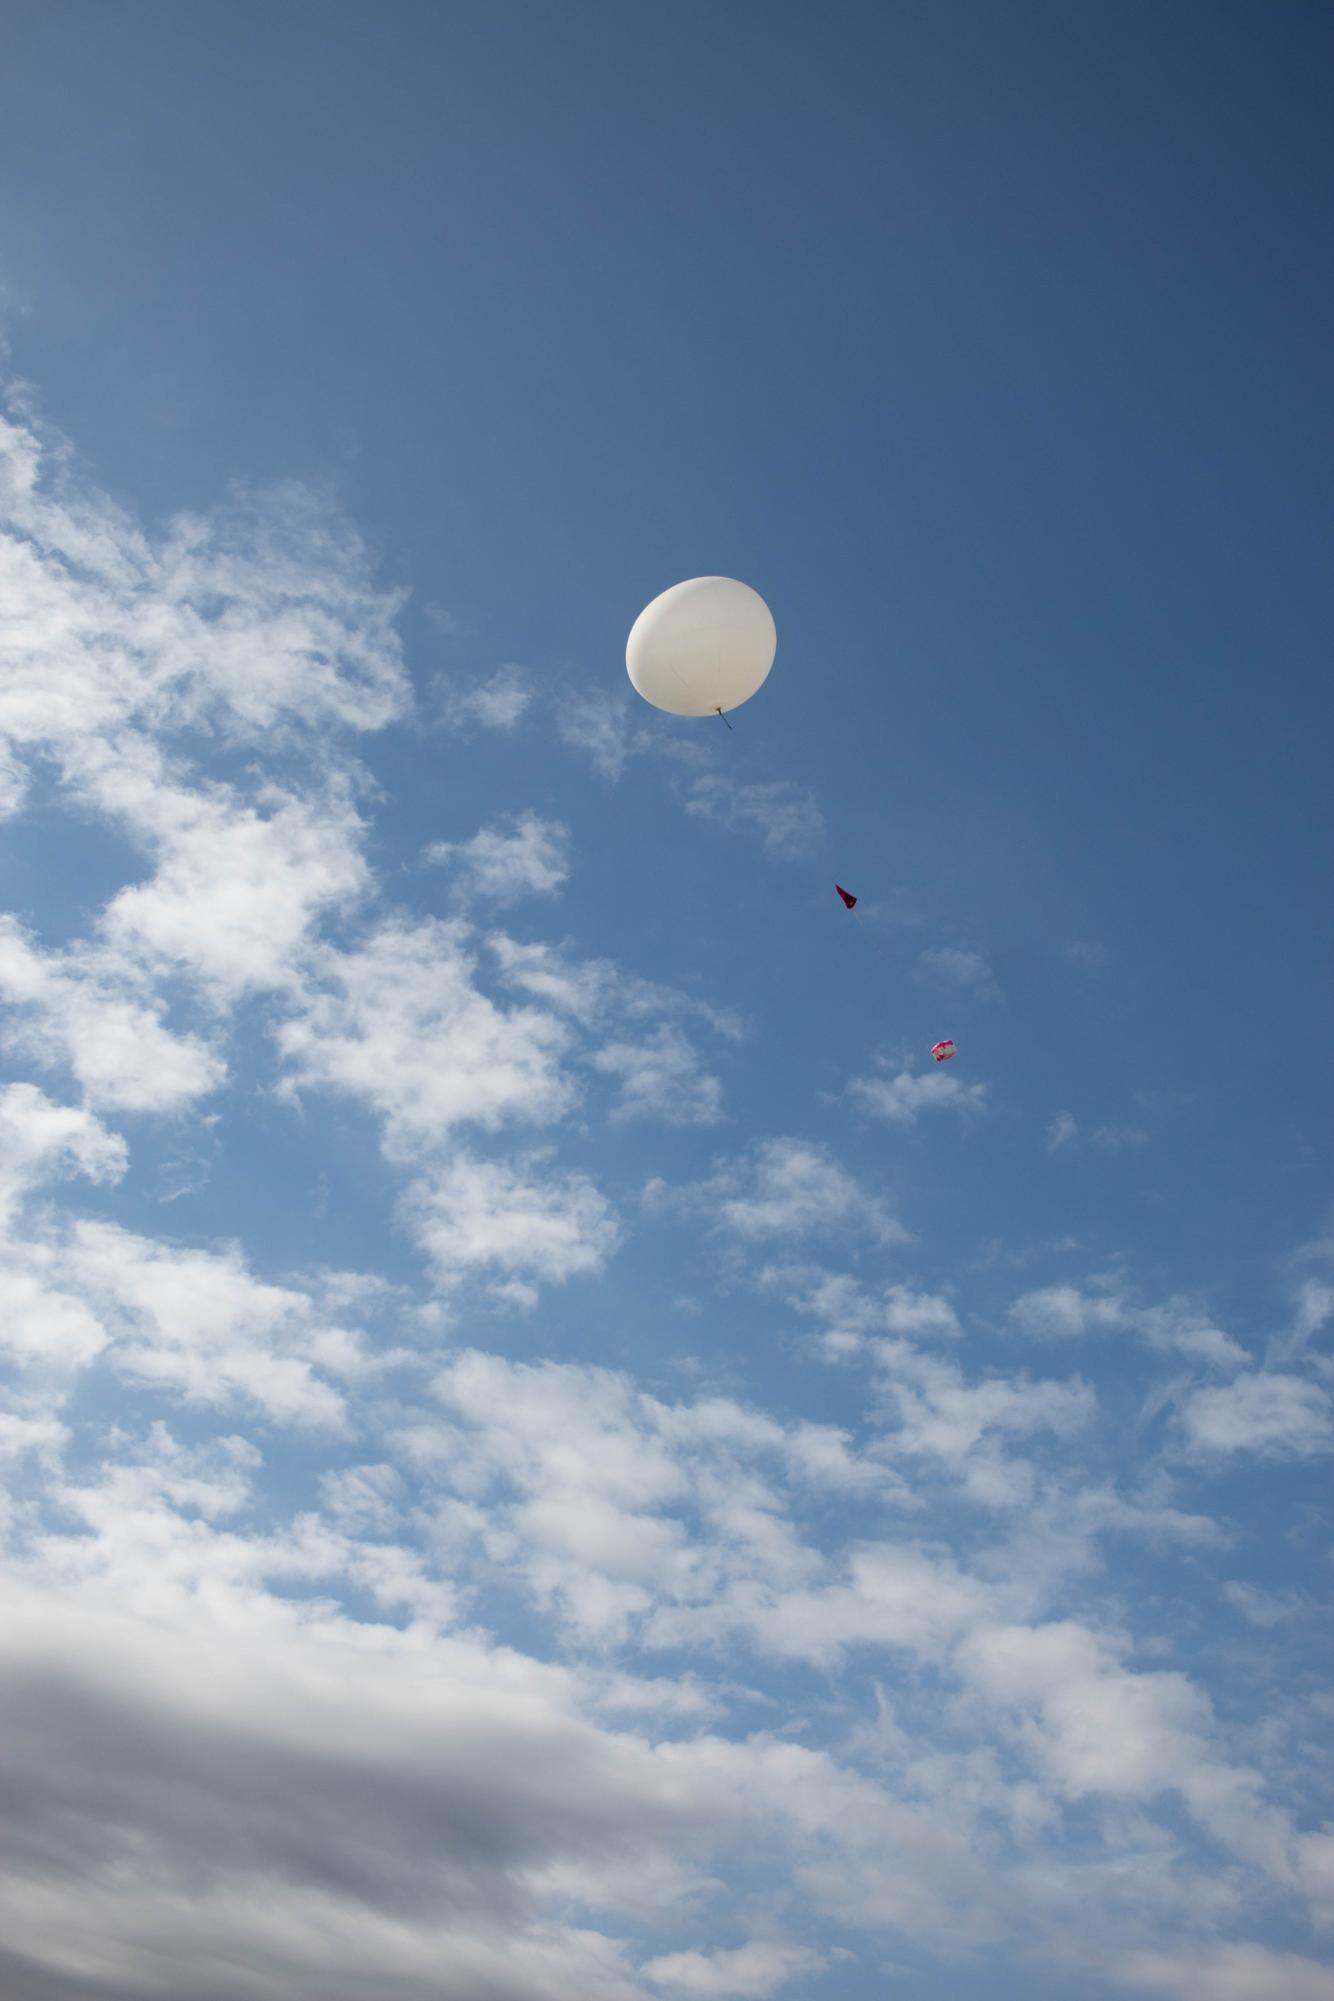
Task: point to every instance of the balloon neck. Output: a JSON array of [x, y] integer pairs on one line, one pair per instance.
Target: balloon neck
[[722, 718]]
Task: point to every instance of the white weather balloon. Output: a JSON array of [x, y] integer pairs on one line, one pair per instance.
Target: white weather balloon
[[701, 648]]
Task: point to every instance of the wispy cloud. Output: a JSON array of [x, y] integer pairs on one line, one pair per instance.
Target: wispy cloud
[[749, 1972], [1071, 1312], [903, 1098], [942, 1417], [1248, 1972], [1265, 1609], [602, 729], [525, 856], [258, 618], [785, 1188], [661, 1077], [1270, 1415], [958, 966], [498, 702], [783, 814]]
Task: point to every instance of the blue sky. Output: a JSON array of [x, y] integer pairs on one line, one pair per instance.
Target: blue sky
[[548, 1451]]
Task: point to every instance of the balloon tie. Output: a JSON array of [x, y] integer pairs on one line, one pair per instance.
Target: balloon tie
[[723, 718]]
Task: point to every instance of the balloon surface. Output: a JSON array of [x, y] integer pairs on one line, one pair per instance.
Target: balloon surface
[[703, 646]]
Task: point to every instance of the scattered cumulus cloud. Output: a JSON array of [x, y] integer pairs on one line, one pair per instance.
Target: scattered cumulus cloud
[[490, 1659], [40, 1139], [514, 1223], [941, 1416], [86, 1011], [401, 1023], [239, 887]]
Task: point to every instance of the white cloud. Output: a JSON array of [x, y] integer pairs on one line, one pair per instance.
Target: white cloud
[[238, 888], [660, 1078], [1313, 1309], [1097, 1728], [903, 1098], [1274, 1416], [786, 1187], [46, 1329], [757, 1969], [80, 1009], [909, 1312], [403, 1794], [1064, 1312], [1067, 1312], [585, 990], [851, 1313], [195, 1324], [942, 1417], [595, 992], [258, 616], [523, 1222], [783, 814], [400, 1023], [955, 966], [1229, 1973], [40, 1139], [497, 703], [898, 1596], [1115, 1139], [599, 727], [198, 1324], [1101, 1509], [361, 1498], [1265, 1609], [13, 784], [529, 857], [120, 655], [1109, 1138], [616, 1507], [413, 1794]]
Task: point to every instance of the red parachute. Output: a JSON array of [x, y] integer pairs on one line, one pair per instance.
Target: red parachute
[[942, 1051], [850, 900]]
